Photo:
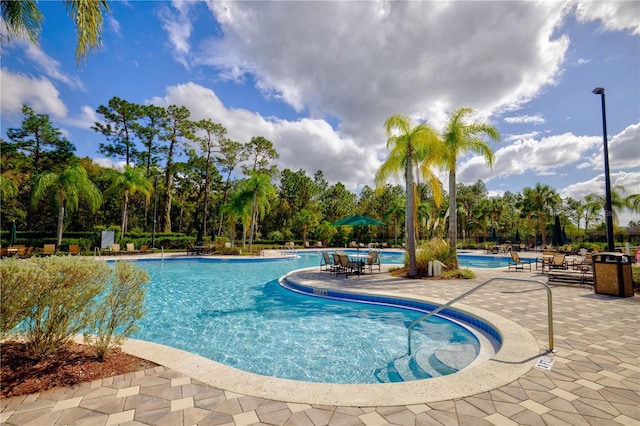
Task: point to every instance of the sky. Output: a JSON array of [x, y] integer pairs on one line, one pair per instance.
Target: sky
[[319, 79]]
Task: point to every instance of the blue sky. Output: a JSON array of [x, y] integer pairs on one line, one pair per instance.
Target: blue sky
[[319, 79]]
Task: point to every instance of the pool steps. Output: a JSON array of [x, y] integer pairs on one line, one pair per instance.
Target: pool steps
[[423, 364]]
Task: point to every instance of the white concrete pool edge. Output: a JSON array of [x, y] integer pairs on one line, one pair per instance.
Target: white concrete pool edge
[[517, 355]]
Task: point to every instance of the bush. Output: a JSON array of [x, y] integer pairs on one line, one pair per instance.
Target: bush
[[50, 299], [435, 249], [19, 286], [111, 321], [69, 287], [635, 273]]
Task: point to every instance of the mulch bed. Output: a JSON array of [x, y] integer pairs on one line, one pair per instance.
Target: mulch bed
[[21, 373]]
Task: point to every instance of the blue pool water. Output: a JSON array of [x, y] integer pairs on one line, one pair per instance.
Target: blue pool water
[[236, 313]]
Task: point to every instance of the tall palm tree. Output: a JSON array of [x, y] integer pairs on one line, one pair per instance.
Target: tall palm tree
[[461, 137], [129, 183], [24, 19], [65, 190], [411, 147], [261, 190]]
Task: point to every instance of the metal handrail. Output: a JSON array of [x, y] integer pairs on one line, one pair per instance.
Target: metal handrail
[[473, 290], [97, 250]]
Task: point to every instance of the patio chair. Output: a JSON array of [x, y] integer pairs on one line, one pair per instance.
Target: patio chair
[[144, 249], [326, 262], [319, 244], [191, 249], [49, 249], [131, 248], [373, 261], [516, 262], [344, 265], [25, 252], [558, 261], [74, 249], [115, 249]]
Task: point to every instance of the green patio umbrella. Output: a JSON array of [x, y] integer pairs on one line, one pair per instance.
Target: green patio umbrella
[[13, 238], [357, 220]]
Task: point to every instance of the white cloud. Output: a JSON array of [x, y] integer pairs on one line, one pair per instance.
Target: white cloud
[[363, 61], [624, 150], [177, 24], [614, 15], [51, 67], [544, 156], [528, 119], [308, 144], [39, 93]]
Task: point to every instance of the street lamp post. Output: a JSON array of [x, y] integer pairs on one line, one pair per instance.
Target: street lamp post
[[608, 212]]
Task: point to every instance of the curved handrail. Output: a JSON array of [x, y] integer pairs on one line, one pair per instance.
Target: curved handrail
[[473, 290]]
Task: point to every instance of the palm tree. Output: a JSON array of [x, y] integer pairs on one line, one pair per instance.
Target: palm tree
[[411, 147], [541, 199], [461, 137], [235, 209], [24, 20], [261, 190], [397, 210], [129, 183], [65, 190]]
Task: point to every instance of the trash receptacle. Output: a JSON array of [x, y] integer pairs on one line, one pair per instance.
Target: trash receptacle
[[612, 274]]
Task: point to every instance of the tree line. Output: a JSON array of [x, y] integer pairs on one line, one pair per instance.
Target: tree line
[[198, 181]]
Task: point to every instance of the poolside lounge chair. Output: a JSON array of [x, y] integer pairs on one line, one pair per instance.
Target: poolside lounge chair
[[49, 249], [74, 249], [516, 262], [25, 252], [373, 261], [190, 248], [326, 262], [558, 261], [131, 248], [319, 244], [115, 249], [144, 249]]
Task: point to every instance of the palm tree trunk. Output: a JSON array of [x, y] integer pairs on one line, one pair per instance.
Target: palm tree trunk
[[60, 224], [453, 215], [410, 221]]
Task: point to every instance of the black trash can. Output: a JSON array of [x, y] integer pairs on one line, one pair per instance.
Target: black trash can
[[612, 274]]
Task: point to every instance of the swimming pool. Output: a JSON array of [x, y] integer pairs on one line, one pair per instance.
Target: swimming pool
[[234, 312]]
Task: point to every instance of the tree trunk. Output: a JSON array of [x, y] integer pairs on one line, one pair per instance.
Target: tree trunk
[[60, 224], [453, 215], [410, 221]]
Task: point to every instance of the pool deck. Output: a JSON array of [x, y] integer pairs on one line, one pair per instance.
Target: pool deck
[[594, 377]]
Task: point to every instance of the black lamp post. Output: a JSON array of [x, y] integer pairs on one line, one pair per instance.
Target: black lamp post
[[608, 212]]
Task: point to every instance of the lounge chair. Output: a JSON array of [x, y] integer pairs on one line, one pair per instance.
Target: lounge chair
[[25, 252], [74, 249], [191, 249], [319, 244], [49, 249], [115, 249], [516, 262], [558, 261], [326, 262], [373, 261], [144, 249], [131, 248]]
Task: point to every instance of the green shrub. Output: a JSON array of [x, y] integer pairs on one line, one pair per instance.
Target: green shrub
[[50, 299], [462, 273], [435, 249], [69, 287], [635, 272], [112, 320], [19, 286]]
